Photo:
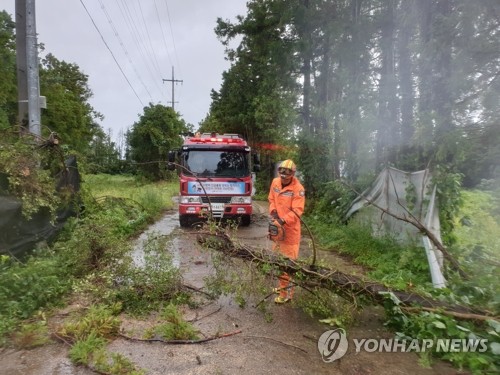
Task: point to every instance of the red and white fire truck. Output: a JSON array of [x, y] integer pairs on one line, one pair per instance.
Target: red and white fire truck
[[216, 181]]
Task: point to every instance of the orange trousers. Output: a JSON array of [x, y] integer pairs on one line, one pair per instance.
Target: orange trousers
[[290, 251]]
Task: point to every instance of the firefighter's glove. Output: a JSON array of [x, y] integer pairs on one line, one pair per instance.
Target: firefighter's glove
[[274, 214]]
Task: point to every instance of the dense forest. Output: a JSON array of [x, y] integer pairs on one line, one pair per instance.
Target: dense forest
[[353, 86]]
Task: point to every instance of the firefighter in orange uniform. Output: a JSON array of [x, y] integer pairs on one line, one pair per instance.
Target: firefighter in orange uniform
[[286, 205]]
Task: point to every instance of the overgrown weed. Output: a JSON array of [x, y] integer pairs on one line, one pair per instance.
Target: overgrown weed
[[175, 327], [31, 335]]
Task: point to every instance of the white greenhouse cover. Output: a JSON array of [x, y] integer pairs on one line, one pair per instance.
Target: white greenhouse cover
[[403, 195]]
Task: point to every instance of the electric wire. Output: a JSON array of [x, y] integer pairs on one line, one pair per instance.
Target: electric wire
[[172, 35], [137, 38], [162, 33], [173, 41], [120, 41], [149, 40], [110, 51]]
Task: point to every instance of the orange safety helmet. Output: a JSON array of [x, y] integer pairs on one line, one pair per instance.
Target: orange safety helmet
[[288, 164]]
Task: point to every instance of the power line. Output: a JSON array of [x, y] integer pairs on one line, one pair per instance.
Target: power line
[[149, 39], [136, 36], [162, 33], [173, 39], [111, 52], [117, 35]]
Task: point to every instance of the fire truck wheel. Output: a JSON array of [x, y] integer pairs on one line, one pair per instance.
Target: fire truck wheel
[[184, 221], [245, 220]]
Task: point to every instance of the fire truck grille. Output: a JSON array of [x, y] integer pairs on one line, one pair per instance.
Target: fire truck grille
[[216, 199]]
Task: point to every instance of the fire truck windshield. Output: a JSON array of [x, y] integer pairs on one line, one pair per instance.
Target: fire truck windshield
[[216, 163]]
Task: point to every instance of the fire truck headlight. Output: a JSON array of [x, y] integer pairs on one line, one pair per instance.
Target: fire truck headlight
[[241, 200], [190, 200]]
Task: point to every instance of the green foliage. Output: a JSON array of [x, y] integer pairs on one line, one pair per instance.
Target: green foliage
[[91, 352], [21, 174], [94, 249], [477, 223], [27, 287], [430, 325], [389, 262], [175, 327], [154, 197], [334, 202], [258, 95], [89, 333], [475, 227], [69, 112], [97, 249], [95, 243], [8, 91], [103, 155], [449, 198], [31, 335], [328, 307], [158, 131], [314, 157], [242, 281], [99, 320], [83, 351], [146, 288]]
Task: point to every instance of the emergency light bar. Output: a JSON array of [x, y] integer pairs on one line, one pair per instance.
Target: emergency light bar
[[212, 138]]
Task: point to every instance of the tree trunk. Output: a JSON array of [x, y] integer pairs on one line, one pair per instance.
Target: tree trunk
[[405, 74], [387, 132]]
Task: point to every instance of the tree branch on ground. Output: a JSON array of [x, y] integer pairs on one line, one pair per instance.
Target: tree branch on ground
[[345, 285]]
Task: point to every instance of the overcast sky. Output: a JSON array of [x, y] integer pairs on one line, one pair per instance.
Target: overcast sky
[[147, 38]]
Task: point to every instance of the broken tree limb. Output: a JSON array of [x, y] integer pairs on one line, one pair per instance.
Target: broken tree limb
[[345, 285]]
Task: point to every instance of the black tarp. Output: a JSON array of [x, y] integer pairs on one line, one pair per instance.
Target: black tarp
[[19, 235]]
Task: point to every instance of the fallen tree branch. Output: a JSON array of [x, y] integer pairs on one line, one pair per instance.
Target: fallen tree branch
[[181, 342], [206, 316], [345, 285], [199, 290]]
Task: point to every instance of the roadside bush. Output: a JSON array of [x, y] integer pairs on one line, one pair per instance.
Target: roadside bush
[[27, 287], [334, 203], [93, 250]]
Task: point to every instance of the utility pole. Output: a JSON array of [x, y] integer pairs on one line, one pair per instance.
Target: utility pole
[[173, 81], [29, 100]]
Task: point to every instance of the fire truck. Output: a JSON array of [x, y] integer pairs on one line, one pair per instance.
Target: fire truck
[[216, 178]]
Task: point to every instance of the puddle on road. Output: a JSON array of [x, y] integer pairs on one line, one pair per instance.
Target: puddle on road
[[163, 227]]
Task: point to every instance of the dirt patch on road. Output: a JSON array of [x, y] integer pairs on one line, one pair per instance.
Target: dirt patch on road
[[281, 341]]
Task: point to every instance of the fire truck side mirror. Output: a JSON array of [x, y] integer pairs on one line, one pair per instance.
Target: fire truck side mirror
[[171, 160], [256, 162]]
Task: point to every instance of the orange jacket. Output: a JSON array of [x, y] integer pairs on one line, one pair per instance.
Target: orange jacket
[[285, 199]]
